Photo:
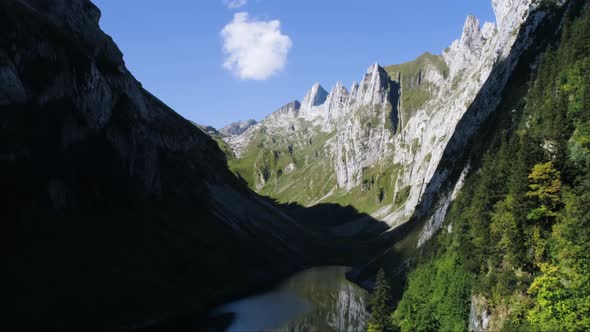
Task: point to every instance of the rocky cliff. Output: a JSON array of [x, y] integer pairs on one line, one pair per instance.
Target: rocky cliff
[[378, 147]]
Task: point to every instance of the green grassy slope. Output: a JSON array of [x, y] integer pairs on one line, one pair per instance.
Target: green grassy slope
[[414, 91]]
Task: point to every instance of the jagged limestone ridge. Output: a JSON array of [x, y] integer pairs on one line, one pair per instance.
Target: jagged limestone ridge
[[377, 147]]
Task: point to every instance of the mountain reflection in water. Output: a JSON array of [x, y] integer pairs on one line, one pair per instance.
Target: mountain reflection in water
[[318, 299]]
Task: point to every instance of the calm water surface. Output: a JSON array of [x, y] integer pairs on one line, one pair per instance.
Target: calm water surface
[[318, 299]]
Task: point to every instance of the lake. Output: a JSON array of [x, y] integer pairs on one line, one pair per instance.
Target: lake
[[317, 299]]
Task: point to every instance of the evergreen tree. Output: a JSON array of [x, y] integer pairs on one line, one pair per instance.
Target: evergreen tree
[[506, 233], [381, 304], [479, 211]]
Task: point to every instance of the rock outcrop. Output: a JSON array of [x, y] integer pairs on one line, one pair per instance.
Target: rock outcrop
[[315, 96], [236, 128]]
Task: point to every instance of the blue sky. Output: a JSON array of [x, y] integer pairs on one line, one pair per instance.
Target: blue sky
[[176, 49]]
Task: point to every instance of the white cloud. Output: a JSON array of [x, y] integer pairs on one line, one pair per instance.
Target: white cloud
[[233, 4], [254, 49]]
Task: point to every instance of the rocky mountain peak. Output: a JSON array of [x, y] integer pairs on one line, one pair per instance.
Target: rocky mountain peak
[[465, 52], [472, 37], [339, 89], [337, 97], [289, 110], [236, 128], [354, 89], [295, 105], [372, 88], [315, 96], [284, 114], [375, 71]]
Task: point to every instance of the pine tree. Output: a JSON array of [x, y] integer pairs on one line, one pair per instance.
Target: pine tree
[[381, 304], [481, 205], [506, 233]]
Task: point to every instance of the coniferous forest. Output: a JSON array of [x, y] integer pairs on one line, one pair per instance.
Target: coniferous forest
[[516, 242]]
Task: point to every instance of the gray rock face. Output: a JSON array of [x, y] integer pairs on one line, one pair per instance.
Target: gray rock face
[[236, 128], [479, 315], [373, 88], [315, 96], [520, 38], [289, 110], [371, 101]]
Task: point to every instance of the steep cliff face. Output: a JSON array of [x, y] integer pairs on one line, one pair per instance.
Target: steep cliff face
[[117, 210], [378, 147], [522, 21]]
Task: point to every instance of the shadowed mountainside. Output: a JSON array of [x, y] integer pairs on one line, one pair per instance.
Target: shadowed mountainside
[[118, 212]]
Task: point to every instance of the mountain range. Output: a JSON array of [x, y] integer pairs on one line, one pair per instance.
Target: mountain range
[[378, 146], [120, 214]]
